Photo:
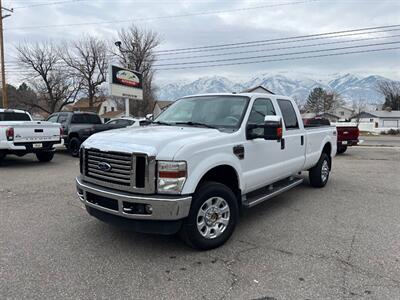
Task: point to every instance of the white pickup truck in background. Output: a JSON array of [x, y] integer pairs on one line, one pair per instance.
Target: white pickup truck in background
[[19, 135], [200, 162]]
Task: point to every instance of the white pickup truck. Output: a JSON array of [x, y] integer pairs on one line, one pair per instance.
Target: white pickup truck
[[20, 135], [199, 163]]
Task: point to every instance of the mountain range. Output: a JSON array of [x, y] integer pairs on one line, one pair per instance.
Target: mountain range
[[351, 87]]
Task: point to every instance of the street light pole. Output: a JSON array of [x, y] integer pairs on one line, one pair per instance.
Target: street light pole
[[3, 72]]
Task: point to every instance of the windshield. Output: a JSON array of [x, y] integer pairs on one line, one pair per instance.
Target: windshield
[[210, 111]]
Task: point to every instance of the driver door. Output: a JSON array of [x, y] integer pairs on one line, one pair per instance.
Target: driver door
[[261, 163]]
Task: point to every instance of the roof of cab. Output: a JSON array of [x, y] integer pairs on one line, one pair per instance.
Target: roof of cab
[[251, 95], [13, 110]]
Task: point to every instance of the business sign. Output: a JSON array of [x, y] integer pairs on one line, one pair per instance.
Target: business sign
[[125, 83]]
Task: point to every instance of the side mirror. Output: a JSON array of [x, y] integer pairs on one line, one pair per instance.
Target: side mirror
[[149, 117], [273, 128]]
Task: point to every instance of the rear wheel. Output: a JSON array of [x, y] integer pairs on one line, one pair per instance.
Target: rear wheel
[[45, 156], [212, 218], [73, 146], [341, 149], [319, 174], [2, 155]]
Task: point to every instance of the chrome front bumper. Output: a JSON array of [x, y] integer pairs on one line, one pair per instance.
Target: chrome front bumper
[[163, 207]]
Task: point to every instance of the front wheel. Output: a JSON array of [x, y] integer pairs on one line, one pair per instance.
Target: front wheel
[[212, 218], [319, 174], [45, 156]]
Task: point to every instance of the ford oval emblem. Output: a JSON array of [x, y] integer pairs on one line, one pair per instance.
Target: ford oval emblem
[[103, 166]]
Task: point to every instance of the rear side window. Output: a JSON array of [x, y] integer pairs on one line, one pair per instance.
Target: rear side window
[[52, 119], [288, 114], [14, 116], [85, 119], [62, 119]]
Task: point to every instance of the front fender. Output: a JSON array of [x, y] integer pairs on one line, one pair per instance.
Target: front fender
[[197, 170]]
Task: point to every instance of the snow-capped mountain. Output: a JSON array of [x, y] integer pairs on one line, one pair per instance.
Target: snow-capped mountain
[[350, 86]]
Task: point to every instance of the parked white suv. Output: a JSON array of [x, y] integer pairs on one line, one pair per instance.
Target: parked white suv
[[200, 162], [20, 135]]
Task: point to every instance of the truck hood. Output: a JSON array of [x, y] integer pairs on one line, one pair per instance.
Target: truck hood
[[160, 141]]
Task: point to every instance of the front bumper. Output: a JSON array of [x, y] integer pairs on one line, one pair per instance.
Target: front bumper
[[119, 203]]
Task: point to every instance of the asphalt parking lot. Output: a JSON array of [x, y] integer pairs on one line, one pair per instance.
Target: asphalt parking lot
[[342, 241]]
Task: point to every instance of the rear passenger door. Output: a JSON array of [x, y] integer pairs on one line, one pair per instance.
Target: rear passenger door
[[293, 143]]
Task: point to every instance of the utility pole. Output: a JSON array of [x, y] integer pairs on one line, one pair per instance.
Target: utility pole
[[3, 72]]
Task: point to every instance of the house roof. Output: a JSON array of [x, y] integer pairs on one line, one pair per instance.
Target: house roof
[[250, 90], [112, 114], [385, 113], [84, 103]]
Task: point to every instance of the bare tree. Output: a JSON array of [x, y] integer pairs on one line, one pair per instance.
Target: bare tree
[[137, 52], [87, 61], [359, 106], [53, 88], [391, 91]]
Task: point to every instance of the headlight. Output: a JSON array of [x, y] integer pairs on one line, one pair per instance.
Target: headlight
[[171, 176]]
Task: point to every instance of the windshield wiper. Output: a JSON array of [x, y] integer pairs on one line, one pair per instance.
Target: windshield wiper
[[161, 123], [195, 124]]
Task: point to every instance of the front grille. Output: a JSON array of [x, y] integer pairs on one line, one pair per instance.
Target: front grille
[[121, 166], [130, 172]]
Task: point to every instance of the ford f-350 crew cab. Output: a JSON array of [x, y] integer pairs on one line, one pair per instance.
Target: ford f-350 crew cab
[[200, 162], [19, 135]]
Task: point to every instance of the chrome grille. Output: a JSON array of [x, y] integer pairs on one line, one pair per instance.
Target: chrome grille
[[121, 166], [129, 172]]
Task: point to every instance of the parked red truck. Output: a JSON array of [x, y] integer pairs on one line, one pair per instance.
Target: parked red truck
[[347, 133]]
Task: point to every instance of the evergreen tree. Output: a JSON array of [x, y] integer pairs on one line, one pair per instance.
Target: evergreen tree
[[315, 101]]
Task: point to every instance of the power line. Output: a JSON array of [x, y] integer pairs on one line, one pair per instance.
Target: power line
[[277, 39], [279, 48], [52, 26], [283, 59], [273, 55], [47, 4], [328, 35]]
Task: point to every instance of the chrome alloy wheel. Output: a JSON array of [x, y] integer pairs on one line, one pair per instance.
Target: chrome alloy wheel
[[324, 171], [213, 217]]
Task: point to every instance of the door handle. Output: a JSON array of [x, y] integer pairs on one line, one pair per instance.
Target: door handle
[[302, 140]]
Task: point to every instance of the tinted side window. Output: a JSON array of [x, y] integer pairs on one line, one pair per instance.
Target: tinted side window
[[13, 116], [62, 119], [52, 119], [260, 109], [288, 114]]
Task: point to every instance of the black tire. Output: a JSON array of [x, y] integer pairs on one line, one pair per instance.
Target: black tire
[[315, 174], [209, 191], [45, 156], [73, 146], [341, 149], [2, 156]]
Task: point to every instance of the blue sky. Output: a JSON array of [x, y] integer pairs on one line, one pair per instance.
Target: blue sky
[[272, 19]]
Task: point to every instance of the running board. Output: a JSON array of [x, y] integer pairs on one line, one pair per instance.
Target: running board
[[270, 191]]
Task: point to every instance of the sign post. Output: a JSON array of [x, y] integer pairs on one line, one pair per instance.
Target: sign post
[[127, 84]]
